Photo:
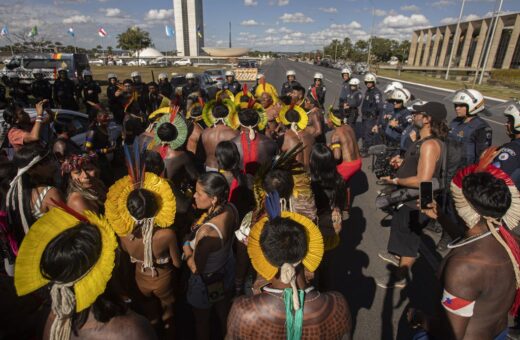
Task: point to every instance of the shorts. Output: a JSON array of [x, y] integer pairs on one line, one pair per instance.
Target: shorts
[[348, 169], [160, 286]]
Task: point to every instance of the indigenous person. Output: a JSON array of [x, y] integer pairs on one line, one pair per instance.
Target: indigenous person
[[141, 208], [41, 88], [508, 158], [264, 86], [64, 146], [99, 141], [288, 85], [153, 99], [31, 192], [314, 111], [231, 83], [22, 131], [422, 162], [208, 251], [371, 111], [319, 88], [344, 145], [480, 276], [254, 148], [220, 117], [90, 91], [295, 120], [85, 191], [195, 128], [84, 304], [280, 247], [170, 137], [64, 91]]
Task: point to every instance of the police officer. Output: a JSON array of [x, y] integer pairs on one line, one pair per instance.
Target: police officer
[[321, 90], [165, 88], [3, 93], [41, 88], [508, 158], [400, 117], [345, 86], [352, 101], [231, 83], [288, 85], [17, 91], [64, 90], [371, 111], [469, 133], [190, 87], [90, 91], [114, 103], [153, 98]]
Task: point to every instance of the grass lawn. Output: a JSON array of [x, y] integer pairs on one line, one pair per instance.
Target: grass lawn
[[497, 91]]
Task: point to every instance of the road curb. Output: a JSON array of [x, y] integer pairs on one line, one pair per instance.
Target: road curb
[[438, 88]]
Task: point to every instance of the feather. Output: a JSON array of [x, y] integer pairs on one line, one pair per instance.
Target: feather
[[244, 89], [69, 210], [137, 161], [128, 161], [251, 102], [201, 101], [272, 205], [487, 157]]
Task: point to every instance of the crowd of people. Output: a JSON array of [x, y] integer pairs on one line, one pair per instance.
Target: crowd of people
[[214, 213]]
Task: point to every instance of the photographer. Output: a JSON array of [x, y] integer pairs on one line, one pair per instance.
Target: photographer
[[422, 162]]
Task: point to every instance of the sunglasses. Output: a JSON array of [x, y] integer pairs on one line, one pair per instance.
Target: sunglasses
[[459, 105]]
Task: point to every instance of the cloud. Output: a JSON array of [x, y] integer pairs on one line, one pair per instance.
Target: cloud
[[111, 12], [328, 9], [159, 14], [282, 2], [453, 20], [77, 19], [297, 17], [442, 3], [410, 8], [400, 26], [352, 30], [379, 12], [250, 2], [250, 22]]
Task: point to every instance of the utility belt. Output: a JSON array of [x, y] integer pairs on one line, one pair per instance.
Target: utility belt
[[369, 116]]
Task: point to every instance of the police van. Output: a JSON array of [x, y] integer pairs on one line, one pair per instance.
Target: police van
[[48, 63]]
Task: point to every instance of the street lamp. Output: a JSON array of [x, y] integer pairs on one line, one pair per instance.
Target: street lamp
[[490, 42], [371, 35], [454, 36]]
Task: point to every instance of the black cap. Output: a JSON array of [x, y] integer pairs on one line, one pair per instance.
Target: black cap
[[435, 110]]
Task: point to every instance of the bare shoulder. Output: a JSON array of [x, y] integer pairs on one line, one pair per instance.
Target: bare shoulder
[[132, 326]]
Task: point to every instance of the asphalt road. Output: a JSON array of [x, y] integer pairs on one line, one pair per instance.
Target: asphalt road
[[377, 313]]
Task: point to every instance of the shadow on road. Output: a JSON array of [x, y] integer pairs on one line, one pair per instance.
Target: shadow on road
[[348, 263]]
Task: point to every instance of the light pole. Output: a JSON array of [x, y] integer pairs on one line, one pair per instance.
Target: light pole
[[454, 36], [481, 55], [371, 35], [490, 42]]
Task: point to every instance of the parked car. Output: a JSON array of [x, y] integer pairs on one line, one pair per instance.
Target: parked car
[[217, 75], [97, 62], [77, 120], [140, 62], [182, 62], [177, 82], [160, 62], [247, 64]]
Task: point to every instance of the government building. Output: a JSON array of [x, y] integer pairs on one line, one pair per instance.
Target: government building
[[189, 27]]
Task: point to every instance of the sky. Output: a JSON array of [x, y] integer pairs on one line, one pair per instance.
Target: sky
[[266, 25]]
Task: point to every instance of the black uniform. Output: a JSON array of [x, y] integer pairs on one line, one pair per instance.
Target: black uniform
[[189, 89], [508, 160], [41, 89], [287, 87], [165, 88], [3, 100], [234, 87], [19, 93], [153, 102], [320, 92], [114, 104], [64, 90], [90, 91], [142, 92], [371, 110]]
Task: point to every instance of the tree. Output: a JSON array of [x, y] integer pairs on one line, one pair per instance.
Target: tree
[[134, 39]]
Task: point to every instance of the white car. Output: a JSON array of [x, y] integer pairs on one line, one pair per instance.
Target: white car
[[182, 62], [140, 62], [97, 62]]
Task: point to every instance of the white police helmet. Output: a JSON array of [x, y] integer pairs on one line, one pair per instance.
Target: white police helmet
[[135, 74], [259, 76], [370, 78], [290, 73], [401, 95], [86, 73], [392, 86], [230, 74], [190, 76], [162, 76], [318, 75], [346, 70], [111, 75], [354, 82], [473, 99], [513, 111], [12, 75]]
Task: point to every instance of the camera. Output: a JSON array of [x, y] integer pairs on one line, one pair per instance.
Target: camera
[[381, 156]]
